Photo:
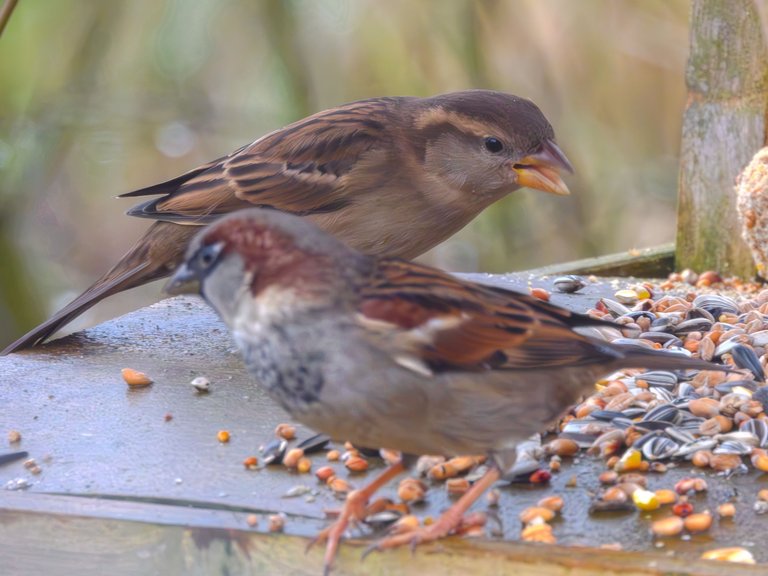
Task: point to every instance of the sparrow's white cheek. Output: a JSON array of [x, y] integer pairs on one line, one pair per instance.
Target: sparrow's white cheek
[[269, 306]]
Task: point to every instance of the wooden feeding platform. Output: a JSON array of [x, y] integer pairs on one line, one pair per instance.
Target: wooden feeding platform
[[135, 481]]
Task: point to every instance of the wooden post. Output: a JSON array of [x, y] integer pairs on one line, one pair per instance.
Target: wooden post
[[724, 125]]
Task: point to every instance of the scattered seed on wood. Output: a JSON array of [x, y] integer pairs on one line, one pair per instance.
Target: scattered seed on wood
[[698, 522], [356, 464], [201, 384], [135, 379], [292, 457], [670, 526], [276, 522], [735, 554], [726, 510], [304, 465], [529, 515], [285, 431]]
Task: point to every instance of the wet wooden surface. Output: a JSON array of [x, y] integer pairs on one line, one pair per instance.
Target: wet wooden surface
[[124, 485]]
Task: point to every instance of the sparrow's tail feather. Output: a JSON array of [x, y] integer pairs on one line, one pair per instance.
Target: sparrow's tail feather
[[638, 357], [154, 256]]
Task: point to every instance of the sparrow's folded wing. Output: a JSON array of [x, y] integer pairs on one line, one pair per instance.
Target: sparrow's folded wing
[[301, 169]]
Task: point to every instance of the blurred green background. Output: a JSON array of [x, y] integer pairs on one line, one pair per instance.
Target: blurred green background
[[99, 98]]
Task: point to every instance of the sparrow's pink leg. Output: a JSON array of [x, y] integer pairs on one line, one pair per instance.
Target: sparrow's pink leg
[[354, 509], [449, 522]]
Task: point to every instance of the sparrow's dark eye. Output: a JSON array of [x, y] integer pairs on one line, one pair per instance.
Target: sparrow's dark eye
[[493, 145], [207, 256]]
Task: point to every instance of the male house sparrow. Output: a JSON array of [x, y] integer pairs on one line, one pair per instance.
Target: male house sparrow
[[387, 353], [393, 176]]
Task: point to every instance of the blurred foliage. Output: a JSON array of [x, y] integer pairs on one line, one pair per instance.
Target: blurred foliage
[[103, 97]]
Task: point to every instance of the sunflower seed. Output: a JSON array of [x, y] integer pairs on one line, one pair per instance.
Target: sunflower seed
[[660, 337], [316, 443], [274, 451], [693, 325], [716, 304], [569, 284], [694, 313], [745, 357], [664, 413], [664, 324], [757, 427], [616, 309], [661, 378], [687, 450], [607, 415], [732, 447], [659, 448]]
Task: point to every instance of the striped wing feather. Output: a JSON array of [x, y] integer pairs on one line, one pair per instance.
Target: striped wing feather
[[452, 324], [301, 169]]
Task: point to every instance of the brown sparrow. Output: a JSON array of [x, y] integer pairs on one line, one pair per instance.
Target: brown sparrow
[[388, 353], [390, 176]]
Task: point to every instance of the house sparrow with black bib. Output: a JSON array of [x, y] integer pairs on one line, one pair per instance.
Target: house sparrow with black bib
[[388, 176], [392, 354]]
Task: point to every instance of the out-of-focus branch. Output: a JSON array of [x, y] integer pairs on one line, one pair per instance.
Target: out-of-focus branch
[[5, 13]]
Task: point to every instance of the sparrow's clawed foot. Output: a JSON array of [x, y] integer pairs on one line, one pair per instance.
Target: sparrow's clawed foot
[[355, 509], [452, 521]]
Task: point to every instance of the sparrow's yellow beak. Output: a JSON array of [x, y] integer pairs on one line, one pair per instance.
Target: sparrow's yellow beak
[[184, 281], [541, 171]]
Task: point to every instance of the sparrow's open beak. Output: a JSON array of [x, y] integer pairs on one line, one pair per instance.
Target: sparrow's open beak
[[541, 170], [184, 281]]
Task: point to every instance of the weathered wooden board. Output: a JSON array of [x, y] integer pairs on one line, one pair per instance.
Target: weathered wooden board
[[41, 534]]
